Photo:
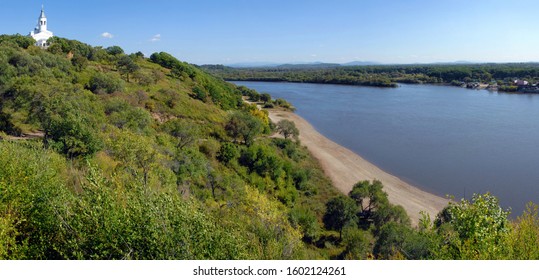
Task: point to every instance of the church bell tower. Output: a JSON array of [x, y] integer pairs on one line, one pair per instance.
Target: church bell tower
[[42, 22], [40, 33]]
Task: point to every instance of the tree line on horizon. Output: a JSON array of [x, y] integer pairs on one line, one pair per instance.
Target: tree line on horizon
[[152, 158], [500, 74]]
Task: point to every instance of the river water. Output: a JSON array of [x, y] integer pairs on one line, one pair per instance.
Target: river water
[[445, 140]]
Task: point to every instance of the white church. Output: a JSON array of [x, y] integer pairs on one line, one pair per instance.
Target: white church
[[40, 33]]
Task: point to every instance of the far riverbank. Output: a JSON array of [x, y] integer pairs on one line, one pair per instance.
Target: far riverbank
[[345, 168]]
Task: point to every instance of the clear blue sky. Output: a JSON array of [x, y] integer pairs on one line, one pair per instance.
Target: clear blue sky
[[233, 31]]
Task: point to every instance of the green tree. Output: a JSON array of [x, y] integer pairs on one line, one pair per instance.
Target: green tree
[[72, 135], [182, 131], [340, 212], [265, 97], [480, 228], [369, 197], [126, 65], [243, 126], [114, 50], [288, 129], [524, 235], [69, 122], [137, 152], [164, 59], [262, 160], [390, 213], [138, 54]]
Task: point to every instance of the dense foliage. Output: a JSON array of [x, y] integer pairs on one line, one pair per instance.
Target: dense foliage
[[320, 75], [107, 155]]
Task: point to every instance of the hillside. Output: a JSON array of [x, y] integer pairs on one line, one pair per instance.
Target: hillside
[[142, 158], [107, 155]]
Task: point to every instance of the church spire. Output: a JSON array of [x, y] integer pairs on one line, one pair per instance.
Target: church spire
[[42, 21]]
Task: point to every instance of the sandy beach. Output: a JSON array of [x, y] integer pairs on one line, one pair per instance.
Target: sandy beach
[[345, 168]]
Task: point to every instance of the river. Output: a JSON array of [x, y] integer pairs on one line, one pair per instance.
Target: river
[[445, 140]]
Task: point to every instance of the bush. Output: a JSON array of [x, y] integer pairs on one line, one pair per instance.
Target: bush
[[210, 148], [265, 97], [105, 83], [33, 196], [283, 104], [397, 241], [228, 152], [73, 136], [262, 160], [164, 59], [7, 126], [306, 220], [358, 244], [524, 236]]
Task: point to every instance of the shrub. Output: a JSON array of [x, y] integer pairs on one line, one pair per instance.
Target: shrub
[[105, 83], [227, 152], [306, 221]]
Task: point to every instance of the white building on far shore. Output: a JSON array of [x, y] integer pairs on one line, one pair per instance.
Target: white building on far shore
[[40, 33]]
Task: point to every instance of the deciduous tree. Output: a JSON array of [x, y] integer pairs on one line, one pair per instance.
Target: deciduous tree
[[288, 129], [481, 228], [340, 212], [127, 66], [243, 126], [369, 197]]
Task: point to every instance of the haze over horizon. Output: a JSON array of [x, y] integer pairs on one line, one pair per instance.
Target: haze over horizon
[[231, 32]]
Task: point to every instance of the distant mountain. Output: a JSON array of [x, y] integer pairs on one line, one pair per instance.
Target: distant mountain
[[316, 64], [464, 62], [308, 65], [252, 64], [360, 63]]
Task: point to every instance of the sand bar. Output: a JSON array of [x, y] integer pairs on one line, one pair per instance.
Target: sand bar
[[345, 168]]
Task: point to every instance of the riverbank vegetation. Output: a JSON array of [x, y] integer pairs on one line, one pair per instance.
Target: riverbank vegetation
[[498, 76], [107, 155]]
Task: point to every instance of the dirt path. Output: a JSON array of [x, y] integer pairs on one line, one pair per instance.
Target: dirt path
[[345, 168], [27, 136]]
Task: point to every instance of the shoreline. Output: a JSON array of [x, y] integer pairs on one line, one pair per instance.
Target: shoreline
[[345, 168]]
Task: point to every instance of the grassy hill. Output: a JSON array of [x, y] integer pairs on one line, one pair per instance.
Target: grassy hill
[[136, 161]]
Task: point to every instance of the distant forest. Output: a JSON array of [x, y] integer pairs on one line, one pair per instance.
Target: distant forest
[[501, 75]]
